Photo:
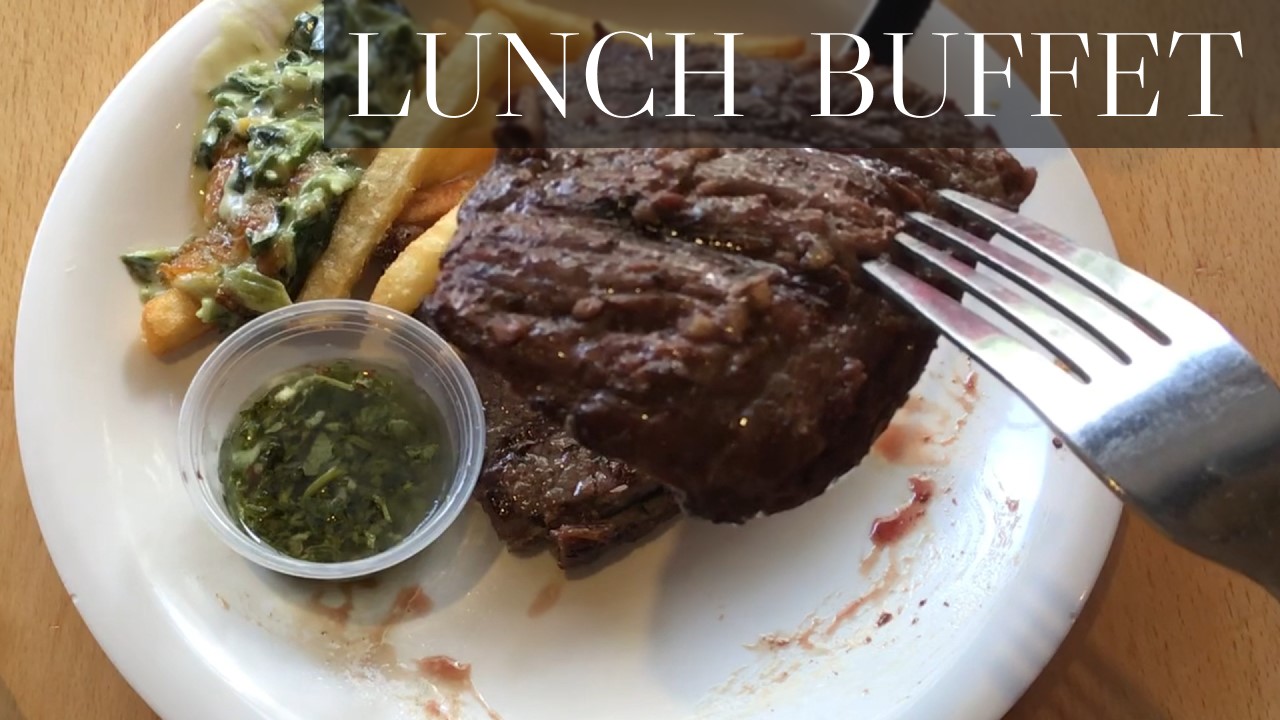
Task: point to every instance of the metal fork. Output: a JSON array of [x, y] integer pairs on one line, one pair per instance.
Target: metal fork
[[1153, 395]]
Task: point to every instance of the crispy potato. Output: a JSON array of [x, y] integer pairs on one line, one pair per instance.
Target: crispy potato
[[456, 86], [452, 34], [169, 321], [412, 276], [459, 161], [417, 154], [771, 46], [536, 24], [521, 74], [433, 202], [478, 134]]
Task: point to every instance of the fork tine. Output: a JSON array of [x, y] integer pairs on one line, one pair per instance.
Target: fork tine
[[1083, 357], [1116, 334], [1026, 371], [1133, 294]]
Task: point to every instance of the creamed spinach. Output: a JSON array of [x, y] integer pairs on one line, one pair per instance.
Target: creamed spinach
[[274, 189]]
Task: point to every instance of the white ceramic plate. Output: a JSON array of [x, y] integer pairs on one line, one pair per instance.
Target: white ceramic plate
[[980, 594]]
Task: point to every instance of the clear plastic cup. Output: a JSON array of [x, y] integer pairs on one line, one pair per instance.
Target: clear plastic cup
[[311, 332]]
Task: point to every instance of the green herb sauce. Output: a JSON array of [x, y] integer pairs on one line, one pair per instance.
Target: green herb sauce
[[336, 462]]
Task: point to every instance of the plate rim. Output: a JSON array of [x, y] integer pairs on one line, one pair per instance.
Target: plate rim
[[170, 699]]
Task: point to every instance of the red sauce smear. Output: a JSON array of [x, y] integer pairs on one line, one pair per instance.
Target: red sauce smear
[[805, 639], [892, 528], [445, 669], [339, 614], [968, 400], [410, 602], [905, 443], [969, 397], [546, 599], [435, 711], [774, 641], [871, 559], [453, 678], [877, 591]]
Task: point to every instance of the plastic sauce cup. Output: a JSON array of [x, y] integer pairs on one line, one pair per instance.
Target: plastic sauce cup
[[314, 332]]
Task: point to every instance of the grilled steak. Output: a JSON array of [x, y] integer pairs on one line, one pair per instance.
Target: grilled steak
[[543, 489], [698, 317], [700, 314]]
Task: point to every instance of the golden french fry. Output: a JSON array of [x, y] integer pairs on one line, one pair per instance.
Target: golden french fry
[[433, 202], [522, 75], [169, 321], [456, 79], [417, 154], [479, 137], [452, 34], [771, 46], [449, 163], [412, 277], [537, 23]]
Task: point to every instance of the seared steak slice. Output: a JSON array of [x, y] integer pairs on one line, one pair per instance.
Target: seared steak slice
[[543, 489], [699, 314]]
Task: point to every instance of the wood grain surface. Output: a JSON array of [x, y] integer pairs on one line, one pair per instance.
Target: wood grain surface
[[1164, 635]]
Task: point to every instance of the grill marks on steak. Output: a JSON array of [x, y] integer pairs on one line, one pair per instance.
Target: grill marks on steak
[[541, 488], [698, 313], [694, 317]]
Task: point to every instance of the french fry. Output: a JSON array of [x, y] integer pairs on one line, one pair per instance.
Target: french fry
[[417, 154], [452, 162], [478, 134], [771, 46], [412, 276], [479, 137], [522, 75], [433, 202], [169, 321], [537, 23], [452, 34]]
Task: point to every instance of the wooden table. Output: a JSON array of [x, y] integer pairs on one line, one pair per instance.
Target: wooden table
[[1164, 636]]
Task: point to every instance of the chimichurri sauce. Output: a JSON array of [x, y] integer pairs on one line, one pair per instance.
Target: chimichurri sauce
[[336, 462]]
